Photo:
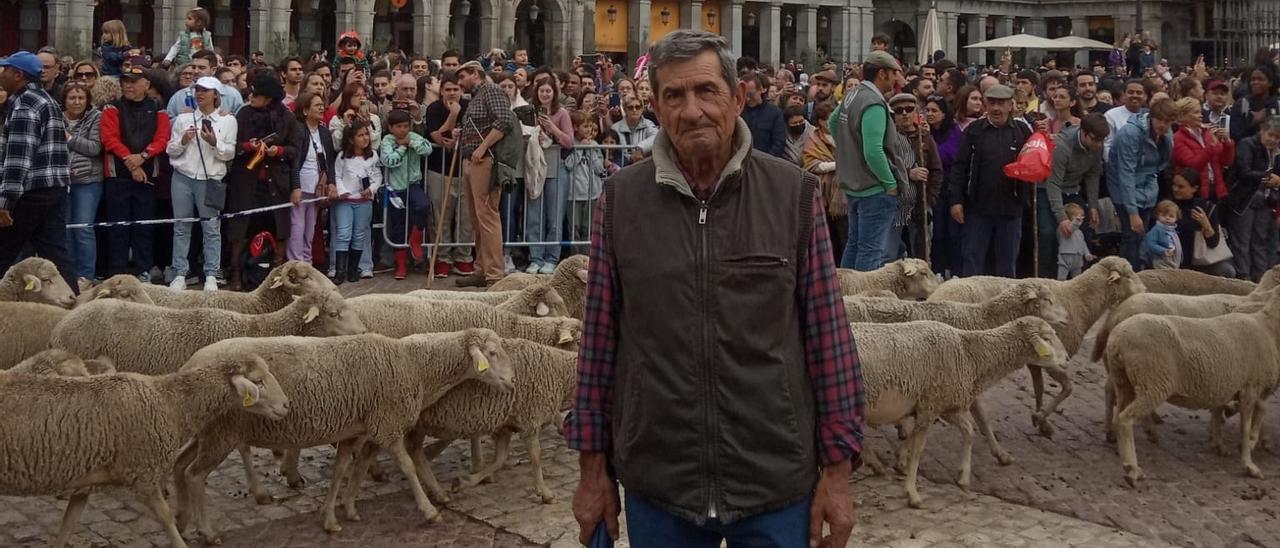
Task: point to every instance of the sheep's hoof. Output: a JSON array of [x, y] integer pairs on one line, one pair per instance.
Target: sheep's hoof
[[332, 527], [547, 498], [1004, 458], [1111, 436], [1042, 423], [263, 499], [1254, 472], [1134, 474], [440, 497], [436, 518], [963, 484], [352, 513], [915, 502], [211, 539]]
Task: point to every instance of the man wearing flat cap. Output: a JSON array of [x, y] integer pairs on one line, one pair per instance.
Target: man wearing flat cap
[[987, 202], [822, 87]]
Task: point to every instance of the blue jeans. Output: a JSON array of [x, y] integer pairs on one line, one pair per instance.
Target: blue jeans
[[998, 233], [649, 526], [1130, 241], [351, 221], [543, 219], [188, 199], [366, 252], [870, 219], [82, 243], [416, 206]]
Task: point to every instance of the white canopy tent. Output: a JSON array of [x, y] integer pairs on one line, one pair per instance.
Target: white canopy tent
[[1017, 41], [1080, 42]]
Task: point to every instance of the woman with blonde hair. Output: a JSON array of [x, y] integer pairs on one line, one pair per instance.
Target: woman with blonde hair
[[114, 48], [105, 91]]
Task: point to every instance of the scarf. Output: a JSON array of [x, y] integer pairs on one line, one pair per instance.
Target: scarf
[[819, 147]]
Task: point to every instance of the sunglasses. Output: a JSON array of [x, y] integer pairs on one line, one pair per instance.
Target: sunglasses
[[85, 75], [635, 107], [904, 110]]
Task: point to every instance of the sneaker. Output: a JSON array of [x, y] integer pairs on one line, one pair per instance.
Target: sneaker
[[533, 268], [365, 274], [464, 268], [145, 278], [442, 270], [508, 266], [179, 283], [332, 273], [547, 269], [210, 283]]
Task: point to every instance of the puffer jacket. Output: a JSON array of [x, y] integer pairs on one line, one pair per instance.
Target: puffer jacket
[[85, 147], [1135, 162]]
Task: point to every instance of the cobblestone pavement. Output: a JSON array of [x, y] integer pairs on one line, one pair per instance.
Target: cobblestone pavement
[[1067, 491]]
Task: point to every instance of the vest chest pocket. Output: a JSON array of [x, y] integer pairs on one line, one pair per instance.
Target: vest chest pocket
[[755, 260]]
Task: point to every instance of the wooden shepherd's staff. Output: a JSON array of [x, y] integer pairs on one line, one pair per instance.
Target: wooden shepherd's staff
[[444, 206]]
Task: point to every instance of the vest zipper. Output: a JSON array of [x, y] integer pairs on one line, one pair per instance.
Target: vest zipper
[[705, 269]]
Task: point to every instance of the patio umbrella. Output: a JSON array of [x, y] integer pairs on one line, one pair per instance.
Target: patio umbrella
[[930, 38], [1017, 41], [1080, 42]]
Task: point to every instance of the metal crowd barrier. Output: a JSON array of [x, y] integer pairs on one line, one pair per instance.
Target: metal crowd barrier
[[507, 209]]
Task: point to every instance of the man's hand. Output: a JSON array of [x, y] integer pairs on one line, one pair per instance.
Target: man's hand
[[133, 161], [138, 175], [403, 141], [1065, 227], [187, 136], [6, 220], [637, 155], [957, 213], [453, 106], [1136, 224], [296, 196], [833, 505], [209, 137], [919, 174], [478, 155], [1273, 181], [891, 192], [1094, 218], [597, 498]]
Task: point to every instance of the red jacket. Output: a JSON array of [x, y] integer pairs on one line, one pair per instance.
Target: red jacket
[[114, 142], [1189, 153]]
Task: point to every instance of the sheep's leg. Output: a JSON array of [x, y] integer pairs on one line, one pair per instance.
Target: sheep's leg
[[289, 468], [1134, 406], [916, 448], [961, 420], [502, 449], [532, 441], [1216, 421], [340, 468], [1249, 412], [422, 464], [154, 499], [362, 457], [204, 462], [260, 495], [1037, 385], [182, 495], [477, 455], [401, 456], [70, 518], [903, 428], [1109, 395], [979, 418], [1256, 435], [1041, 416]]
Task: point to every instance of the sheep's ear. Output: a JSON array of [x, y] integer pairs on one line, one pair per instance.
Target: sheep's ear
[[248, 391], [311, 315], [100, 366], [1031, 294], [477, 358], [582, 275], [909, 269], [106, 293], [277, 281], [542, 309], [33, 283], [1113, 277], [566, 336]]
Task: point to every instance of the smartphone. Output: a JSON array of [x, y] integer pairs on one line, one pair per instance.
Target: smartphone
[[207, 124], [615, 100], [365, 183]]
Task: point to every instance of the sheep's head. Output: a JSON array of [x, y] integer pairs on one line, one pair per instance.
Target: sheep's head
[[120, 286], [918, 279], [575, 267], [548, 301], [1122, 282], [1049, 350], [53, 362], [298, 278], [257, 389], [1043, 302], [490, 363], [38, 281], [568, 333], [327, 314]]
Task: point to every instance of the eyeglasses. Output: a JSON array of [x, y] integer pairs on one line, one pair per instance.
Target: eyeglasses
[[635, 107], [86, 75], [904, 110]]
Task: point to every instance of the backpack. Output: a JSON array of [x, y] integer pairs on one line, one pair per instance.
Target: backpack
[[507, 153], [257, 259]]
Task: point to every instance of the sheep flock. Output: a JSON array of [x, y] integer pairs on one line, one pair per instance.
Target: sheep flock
[[293, 365]]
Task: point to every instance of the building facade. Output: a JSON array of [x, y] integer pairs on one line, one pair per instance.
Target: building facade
[[554, 31]]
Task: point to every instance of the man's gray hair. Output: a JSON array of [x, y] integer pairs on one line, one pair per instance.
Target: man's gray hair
[[685, 44]]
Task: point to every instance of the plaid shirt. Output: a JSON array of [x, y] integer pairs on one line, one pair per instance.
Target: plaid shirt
[[489, 108], [830, 354], [35, 146]]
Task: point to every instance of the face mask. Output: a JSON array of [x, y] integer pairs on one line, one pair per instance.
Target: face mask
[[796, 130], [1077, 222]]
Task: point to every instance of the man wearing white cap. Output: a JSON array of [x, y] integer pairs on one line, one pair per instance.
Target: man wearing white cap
[[201, 145]]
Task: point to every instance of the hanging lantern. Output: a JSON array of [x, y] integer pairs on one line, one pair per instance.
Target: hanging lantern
[[666, 16], [613, 14], [464, 8], [711, 17]]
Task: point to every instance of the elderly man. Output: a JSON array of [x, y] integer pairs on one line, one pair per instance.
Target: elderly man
[[987, 202], [863, 168], [674, 388], [486, 122], [34, 168]]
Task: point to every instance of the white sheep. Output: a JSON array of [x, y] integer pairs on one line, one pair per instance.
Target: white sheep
[[1086, 297], [540, 299], [121, 286], [877, 294], [906, 278], [1191, 282], [26, 327], [36, 280], [98, 441], [1194, 363], [930, 370], [343, 390], [569, 279], [63, 364], [154, 340], [401, 316], [283, 283]]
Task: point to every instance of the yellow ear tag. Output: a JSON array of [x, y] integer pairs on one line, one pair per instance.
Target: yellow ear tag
[[31, 285], [483, 365], [1043, 349], [248, 399]]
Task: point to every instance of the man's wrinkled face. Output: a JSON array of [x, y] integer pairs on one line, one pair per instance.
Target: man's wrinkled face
[[418, 68], [51, 68], [694, 104], [998, 111]]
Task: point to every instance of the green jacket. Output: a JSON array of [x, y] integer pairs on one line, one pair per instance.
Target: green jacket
[[404, 164]]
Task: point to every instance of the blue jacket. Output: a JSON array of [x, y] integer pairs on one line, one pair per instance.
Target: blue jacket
[[1133, 168], [1158, 241], [768, 128]]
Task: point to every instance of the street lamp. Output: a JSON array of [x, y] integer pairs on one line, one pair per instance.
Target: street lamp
[[823, 21], [751, 19], [786, 21], [711, 17], [533, 13], [464, 8], [666, 16], [613, 13]]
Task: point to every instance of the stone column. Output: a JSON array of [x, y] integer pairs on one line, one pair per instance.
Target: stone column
[[948, 24], [691, 15], [344, 18], [978, 33], [577, 13], [259, 27], [78, 33], [771, 34], [589, 26], [807, 31], [868, 26], [1004, 26], [840, 31], [363, 19], [1080, 27], [439, 28], [638, 29], [421, 29], [507, 27], [558, 30], [1035, 26], [731, 24]]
